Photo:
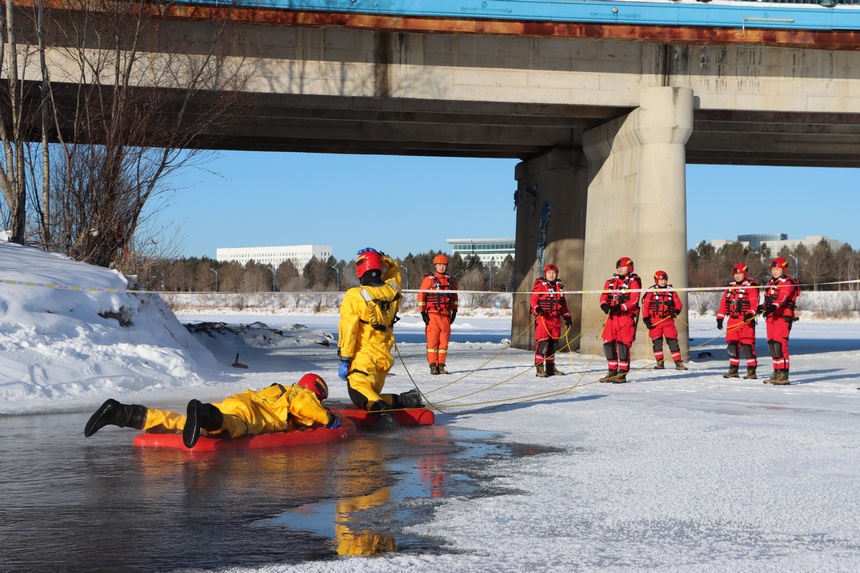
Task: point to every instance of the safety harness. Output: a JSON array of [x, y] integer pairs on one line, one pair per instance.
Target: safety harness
[[552, 301], [381, 316], [661, 303], [737, 302]]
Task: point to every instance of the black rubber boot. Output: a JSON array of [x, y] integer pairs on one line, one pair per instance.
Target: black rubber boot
[[385, 422], [115, 414], [411, 399], [200, 416]]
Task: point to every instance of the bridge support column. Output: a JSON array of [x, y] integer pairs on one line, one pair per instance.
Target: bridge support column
[[550, 202], [637, 203]]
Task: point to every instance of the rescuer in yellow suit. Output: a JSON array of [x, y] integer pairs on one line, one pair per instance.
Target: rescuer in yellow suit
[[366, 334], [250, 413]]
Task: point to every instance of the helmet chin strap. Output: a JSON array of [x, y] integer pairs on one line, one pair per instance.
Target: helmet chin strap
[[372, 278]]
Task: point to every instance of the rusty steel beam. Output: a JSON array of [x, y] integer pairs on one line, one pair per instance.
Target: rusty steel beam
[[847, 40]]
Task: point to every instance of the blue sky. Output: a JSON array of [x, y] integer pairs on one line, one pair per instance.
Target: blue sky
[[413, 204]]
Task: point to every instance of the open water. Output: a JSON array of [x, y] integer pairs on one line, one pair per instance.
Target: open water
[[73, 504]]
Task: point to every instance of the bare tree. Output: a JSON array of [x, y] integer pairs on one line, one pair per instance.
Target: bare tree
[[123, 118]]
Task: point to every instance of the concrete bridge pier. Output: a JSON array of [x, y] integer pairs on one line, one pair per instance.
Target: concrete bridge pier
[[637, 203], [550, 228]]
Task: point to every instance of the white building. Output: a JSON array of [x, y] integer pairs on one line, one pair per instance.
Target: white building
[[300, 255], [776, 242], [488, 250]]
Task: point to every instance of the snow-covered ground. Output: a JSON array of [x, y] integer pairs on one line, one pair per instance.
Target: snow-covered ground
[[675, 471]]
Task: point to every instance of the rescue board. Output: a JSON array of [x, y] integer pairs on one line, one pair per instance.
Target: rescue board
[[311, 436], [407, 417]]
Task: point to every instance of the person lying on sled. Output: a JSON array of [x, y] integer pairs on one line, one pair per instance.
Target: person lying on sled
[[250, 413]]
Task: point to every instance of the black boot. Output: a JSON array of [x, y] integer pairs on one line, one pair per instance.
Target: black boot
[[115, 414], [550, 369], [200, 416], [411, 399], [385, 422]]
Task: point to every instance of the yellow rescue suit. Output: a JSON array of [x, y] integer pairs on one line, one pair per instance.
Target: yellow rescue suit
[[366, 334], [251, 413]]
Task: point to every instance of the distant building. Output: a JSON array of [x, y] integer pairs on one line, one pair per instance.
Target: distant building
[[776, 241], [488, 250], [300, 255]]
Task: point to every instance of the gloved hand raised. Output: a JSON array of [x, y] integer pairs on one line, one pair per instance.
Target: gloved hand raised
[[425, 317], [719, 324], [648, 323], [343, 368], [453, 316], [605, 308]]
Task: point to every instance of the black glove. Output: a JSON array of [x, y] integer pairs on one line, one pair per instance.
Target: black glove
[[605, 308], [568, 322], [719, 324], [675, 313], [613, 310], [769, 310], [647, 322], [538, 311], [453, 316], [425, 317], [748, 317]]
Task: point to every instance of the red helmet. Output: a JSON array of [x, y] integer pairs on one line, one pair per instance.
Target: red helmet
[[740, 268], [625, 262], [440, 260], [367, 260], [661, 275], [315, 384], [779, 262], [550, 267]]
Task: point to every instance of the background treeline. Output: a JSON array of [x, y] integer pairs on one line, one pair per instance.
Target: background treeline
[[207, 275], [819, 267], [814, 267]]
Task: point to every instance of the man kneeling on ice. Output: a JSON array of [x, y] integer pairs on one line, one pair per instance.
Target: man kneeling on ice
[[273, 409]]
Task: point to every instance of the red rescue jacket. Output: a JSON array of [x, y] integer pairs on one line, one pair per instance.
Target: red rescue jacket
[[739, 298], [660, 302], [624, 292], [549, 297]]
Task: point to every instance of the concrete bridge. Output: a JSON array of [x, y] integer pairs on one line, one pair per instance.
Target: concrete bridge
[[603, 102]]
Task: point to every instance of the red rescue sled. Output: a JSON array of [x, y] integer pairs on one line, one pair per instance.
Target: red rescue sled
[[317, 435], [408, 417]]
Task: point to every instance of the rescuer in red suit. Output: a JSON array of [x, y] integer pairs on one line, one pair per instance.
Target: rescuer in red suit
[[620, 300], [549, 307], [438, 306], [660, 305], [739, 303], [780, 294]]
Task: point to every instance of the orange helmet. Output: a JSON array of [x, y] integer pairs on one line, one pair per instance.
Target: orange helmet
[[779, 262], [740, 268], [625, 262], [550, 267], [368, 260], [315, 384], [661, 275], [440, 260]]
